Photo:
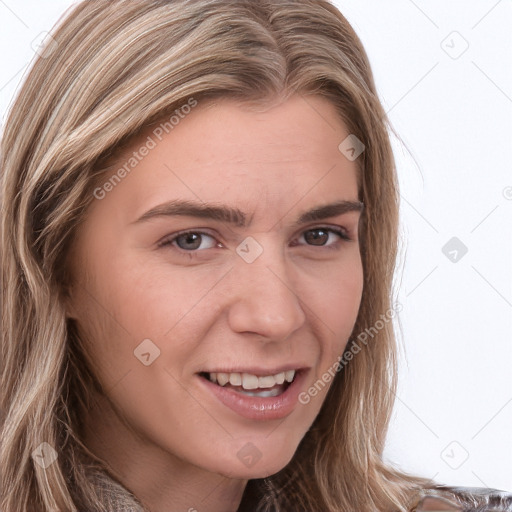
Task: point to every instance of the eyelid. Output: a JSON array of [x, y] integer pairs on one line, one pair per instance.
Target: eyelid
[[341, 231], [168, 240]]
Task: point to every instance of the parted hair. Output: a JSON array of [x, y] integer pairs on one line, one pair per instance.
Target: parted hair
[[110, 69]]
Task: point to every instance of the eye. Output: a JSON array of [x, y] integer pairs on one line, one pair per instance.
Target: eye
[[321, 236], [191, 241]]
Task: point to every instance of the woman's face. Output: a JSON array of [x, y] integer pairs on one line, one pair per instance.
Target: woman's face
[[263, 283]]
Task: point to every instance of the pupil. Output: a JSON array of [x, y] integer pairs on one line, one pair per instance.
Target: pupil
[[315, 236], [190, 238]]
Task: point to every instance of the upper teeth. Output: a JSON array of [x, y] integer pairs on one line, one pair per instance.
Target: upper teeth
[[250, 381]]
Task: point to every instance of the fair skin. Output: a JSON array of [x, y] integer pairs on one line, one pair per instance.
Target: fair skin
[[178, 447]]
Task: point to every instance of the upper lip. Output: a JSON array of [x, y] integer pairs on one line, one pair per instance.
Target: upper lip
[[258, 371]]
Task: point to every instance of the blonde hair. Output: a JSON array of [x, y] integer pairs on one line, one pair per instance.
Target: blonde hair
[[113, 68]]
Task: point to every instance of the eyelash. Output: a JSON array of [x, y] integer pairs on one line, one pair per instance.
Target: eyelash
[[338, 231]]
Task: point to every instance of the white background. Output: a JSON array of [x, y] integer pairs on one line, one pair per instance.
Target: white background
[[453, 111]]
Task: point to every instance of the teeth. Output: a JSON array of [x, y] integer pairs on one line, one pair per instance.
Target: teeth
[[249, 381], [235, 379], [289, 375], [222, 378], [263, 394], [279, 378], [266, 382]]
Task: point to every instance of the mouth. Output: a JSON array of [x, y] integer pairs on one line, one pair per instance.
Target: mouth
[[248, 384], [263, 395]]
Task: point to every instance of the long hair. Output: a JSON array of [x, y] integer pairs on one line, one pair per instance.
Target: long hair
[[110, 69]]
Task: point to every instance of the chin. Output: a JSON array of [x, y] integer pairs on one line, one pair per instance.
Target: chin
[[258, 471], [257, 458]]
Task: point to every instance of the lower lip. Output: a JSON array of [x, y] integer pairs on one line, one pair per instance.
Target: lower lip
[[258, 408]]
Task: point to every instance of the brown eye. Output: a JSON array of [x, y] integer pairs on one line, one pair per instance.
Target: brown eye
[[316, 237], [320, 236]]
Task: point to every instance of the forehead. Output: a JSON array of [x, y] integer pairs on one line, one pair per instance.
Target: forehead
[[228, 129], [225, 149]]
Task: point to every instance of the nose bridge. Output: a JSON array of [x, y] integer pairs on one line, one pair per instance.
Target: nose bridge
[[264, 301]]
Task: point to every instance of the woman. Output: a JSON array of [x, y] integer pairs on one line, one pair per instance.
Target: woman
[[199, 219]]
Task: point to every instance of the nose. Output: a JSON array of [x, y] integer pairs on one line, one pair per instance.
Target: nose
[[263, 299]]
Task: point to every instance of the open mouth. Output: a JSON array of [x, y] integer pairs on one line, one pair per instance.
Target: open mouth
[[248, 384]]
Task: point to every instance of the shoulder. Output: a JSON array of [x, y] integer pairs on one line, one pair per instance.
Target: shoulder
[[464, 499]]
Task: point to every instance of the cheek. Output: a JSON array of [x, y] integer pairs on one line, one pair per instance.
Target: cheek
[[126, 308], [336, 306], [335, 301], [335, 296], [158, 296]]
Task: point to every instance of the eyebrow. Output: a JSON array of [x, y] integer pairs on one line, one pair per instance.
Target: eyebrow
[[223, 213]]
